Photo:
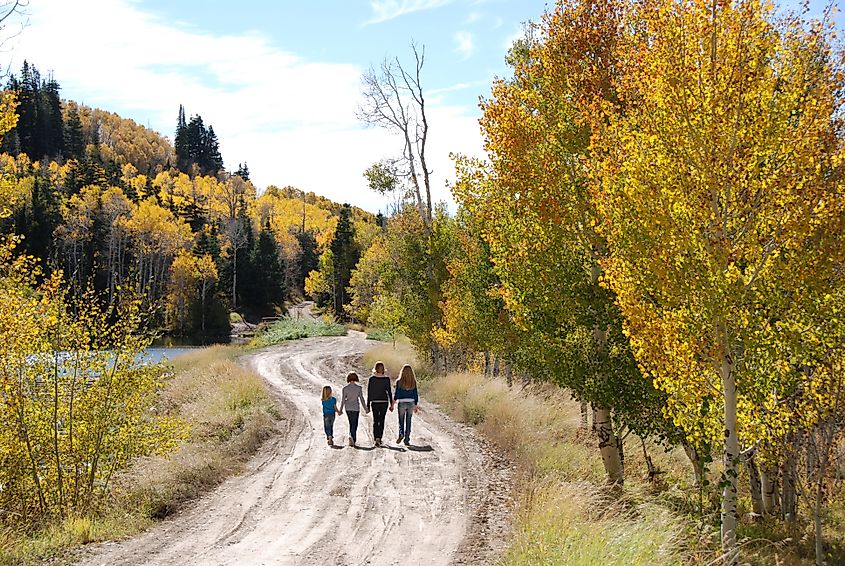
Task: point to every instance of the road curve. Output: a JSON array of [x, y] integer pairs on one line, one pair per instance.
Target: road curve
[[443, 501]]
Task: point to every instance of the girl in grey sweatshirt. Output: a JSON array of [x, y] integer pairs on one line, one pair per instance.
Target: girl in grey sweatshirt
[[352, 398]]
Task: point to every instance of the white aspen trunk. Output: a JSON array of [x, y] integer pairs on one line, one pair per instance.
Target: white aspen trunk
[[486, 362], [768, 482], [496, 365], [755, 486], [609, 446], [697, 464], [731, 455]]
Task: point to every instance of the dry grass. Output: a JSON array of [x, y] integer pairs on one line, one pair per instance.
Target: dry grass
[[228, 411], [565, 514], [394, 358]]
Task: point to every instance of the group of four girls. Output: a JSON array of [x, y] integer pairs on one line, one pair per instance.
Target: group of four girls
[[381, 397]]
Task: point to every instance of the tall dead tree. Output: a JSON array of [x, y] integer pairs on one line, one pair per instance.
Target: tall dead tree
[[394, 100]]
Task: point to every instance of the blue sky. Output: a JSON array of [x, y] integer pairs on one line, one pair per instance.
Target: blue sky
[[279, 81]]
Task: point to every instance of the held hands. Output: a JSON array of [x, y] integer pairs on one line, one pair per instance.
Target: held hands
[[391, 407], [416, 409]]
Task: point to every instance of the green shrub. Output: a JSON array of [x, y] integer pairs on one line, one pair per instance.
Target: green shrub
[[294, 329]]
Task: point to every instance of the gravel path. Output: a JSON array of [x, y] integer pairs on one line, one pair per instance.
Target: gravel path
[[441, 501]]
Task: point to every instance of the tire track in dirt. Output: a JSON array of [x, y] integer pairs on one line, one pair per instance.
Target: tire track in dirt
[[305, 503]]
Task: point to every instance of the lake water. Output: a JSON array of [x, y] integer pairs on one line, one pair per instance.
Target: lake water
[[158, 354]]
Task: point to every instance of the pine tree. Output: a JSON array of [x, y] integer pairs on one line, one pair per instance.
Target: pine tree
[[308, 259], [267, 280], [213, 161], [346, 256], [197, 145], [51, 123], [74, 141], [180, 141]]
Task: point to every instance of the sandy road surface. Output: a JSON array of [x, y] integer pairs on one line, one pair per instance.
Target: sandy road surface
[[442, 501]]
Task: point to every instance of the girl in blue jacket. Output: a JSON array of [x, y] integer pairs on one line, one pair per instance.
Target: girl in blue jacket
[[408, 399], [330, 408]]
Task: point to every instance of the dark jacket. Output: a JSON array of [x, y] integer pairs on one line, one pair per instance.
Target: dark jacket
[[379, 390], [406, 395]]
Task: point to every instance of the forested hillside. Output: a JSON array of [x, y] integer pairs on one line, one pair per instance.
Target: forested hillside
[[113, 206]]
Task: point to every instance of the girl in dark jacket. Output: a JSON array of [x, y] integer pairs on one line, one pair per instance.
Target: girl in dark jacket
[[379, 399]]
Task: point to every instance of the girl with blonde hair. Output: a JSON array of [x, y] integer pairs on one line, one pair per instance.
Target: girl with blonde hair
[[408, 399], [329, 410]]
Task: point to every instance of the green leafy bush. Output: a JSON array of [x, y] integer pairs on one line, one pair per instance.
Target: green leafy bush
[[294, 329]]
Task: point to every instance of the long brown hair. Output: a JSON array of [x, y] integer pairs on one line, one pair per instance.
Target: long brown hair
[[407, 379], [327, 392]]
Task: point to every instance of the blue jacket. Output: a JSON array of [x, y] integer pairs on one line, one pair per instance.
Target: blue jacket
[[406, 395], [329, 406]]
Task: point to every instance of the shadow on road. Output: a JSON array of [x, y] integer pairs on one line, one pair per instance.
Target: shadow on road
[[425, 448], [366, 448]]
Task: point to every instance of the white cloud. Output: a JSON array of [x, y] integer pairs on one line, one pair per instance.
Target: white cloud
[[384, 10], [464, 44], [291, 119], [473, 17]]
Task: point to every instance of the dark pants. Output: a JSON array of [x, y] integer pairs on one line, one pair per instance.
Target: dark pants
[[379, 412], [353, 424], [328, 423]]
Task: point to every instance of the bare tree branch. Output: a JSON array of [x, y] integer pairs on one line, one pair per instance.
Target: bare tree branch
[[393, 99]]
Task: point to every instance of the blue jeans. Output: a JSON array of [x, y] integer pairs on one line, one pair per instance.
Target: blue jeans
[[328, 423], [353, 424], [406, 411]]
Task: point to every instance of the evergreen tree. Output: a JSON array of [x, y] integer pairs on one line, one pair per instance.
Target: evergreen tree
[[180, 141], [37, 221], [213, 161], [243, 171], [208, 242], [345, 255], [74, 140], [308, 259], [196, 145], [265, 286], [40, 129], [51, 122]]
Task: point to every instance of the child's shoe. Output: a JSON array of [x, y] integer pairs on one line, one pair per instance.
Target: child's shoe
[[378, 442], [330, 441], [351, 442], [399, 440]]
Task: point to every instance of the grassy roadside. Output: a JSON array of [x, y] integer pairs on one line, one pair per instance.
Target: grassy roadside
[[228, 411], [563, 514]]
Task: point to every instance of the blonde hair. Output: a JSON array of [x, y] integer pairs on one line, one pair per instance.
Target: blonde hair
[[407, 379], [352, 376], [377, 364], [327, 392]]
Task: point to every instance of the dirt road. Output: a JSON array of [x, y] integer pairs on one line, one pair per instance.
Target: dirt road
[[440, 502]]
